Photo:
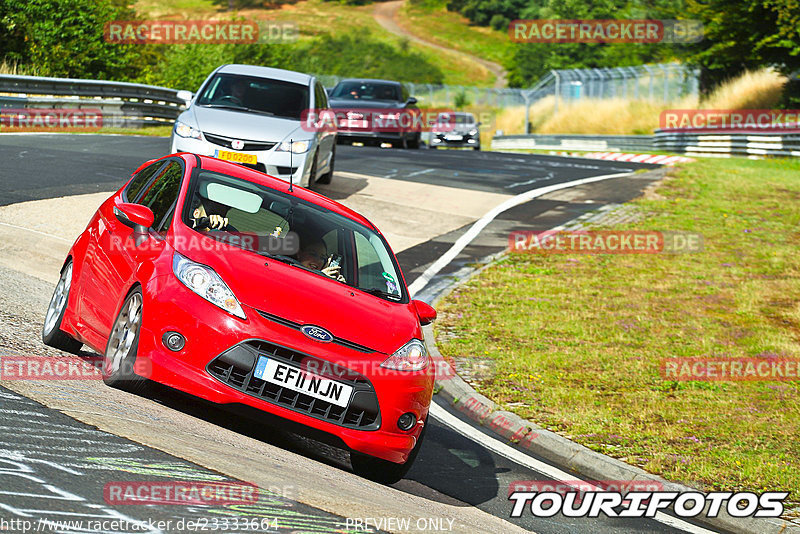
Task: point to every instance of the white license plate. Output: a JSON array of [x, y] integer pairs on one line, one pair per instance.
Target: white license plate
[[454, 137], [355, 123], [296, 379]]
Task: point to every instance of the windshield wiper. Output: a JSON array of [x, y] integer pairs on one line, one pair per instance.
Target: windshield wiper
[[382, 294], [260, 112], [224, 106], [238, 108]]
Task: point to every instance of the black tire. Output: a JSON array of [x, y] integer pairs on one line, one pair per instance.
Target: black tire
[[123, 343], [52, 335], [383, 471], [476, 148], [326, 178], [402, 143], [415, 141]]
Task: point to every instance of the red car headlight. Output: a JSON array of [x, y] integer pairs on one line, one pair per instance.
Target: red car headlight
[[413, 356], [206, 283]]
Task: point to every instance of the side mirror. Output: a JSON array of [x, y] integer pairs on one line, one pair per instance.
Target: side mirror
[[425, 312], [411, 101], [138, 217], [186, 96]]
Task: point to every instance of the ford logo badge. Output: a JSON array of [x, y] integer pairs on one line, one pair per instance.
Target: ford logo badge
[[317, 334]]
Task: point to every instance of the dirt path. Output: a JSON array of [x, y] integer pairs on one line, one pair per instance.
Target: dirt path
[[385, 14]]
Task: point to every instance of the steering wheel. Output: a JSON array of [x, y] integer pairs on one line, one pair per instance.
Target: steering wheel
[[203, 224], [230, 98]]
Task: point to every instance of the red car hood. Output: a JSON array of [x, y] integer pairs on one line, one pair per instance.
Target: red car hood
[[306, 298]]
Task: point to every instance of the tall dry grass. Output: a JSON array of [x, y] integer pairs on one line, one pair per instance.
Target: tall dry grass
[[615, 116], [760, 89], [16, 70], [512, 120]]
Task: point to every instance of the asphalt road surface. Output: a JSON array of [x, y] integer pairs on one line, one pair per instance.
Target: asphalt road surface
[[66, 456]]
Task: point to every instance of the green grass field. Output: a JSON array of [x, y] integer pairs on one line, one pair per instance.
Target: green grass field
[[578, 339], [317, 17], [432, 21]]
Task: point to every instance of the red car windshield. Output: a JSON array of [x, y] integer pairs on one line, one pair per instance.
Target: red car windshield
[[263, 220]]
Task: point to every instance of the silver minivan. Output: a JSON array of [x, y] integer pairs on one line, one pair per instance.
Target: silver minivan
[[258, 117]]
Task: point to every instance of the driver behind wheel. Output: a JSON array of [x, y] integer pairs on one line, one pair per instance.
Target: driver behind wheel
[[233, 91], [202, 221]]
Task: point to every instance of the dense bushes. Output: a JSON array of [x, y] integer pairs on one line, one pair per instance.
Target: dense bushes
[[65, 38]]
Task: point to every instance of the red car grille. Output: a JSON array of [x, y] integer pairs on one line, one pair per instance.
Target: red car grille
[[236, 365]]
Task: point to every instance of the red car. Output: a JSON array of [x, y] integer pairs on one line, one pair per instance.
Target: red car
[[239, 288]]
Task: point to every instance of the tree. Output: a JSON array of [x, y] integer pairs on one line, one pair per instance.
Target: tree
[[64, 38], [742, 35]]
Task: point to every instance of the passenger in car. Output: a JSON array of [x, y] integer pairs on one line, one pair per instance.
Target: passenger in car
[[314, 255]]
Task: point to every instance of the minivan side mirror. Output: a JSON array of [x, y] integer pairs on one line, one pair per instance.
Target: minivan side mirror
[[425, 312], [186, 96]]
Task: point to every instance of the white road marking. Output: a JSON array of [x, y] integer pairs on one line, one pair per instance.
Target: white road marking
[[35, 232], [518, 457], [462, 242], [416, 173]]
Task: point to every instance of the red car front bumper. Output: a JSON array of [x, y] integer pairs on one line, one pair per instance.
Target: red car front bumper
[[209, 331]]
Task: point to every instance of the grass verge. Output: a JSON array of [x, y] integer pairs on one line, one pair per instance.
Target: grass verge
[[578, 339]]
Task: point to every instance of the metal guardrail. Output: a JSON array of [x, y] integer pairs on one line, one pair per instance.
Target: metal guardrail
[[730, 143], [577, 142], [709, 144], [122, 104]]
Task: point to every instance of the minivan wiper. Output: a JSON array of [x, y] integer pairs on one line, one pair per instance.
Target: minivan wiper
[[259, 111], [382, 294], [224, 106], [238, 108]]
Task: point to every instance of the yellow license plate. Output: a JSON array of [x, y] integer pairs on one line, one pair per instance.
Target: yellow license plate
[[238, 157]]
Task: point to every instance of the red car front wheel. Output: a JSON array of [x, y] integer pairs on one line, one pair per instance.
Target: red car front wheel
[[123, 343]]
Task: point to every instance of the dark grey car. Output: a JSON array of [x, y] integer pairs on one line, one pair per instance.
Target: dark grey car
[[358, 99], [456, 129]]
